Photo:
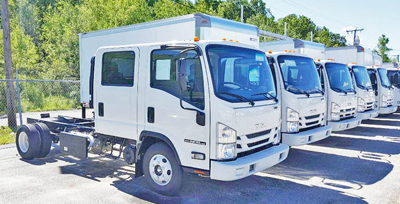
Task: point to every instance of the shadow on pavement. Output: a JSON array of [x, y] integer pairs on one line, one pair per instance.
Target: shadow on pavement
[[304, 165], [371, 132], [362, 145], [254, 189]]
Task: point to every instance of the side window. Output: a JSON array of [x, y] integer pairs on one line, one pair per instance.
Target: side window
[[118, 68], [164, 75]]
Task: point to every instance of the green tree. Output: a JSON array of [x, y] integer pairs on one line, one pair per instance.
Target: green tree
[[383, 48]]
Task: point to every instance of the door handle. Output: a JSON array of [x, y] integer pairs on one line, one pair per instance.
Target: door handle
[[101, 109]]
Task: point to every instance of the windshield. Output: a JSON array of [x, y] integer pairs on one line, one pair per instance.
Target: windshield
[[239, 72], [362, 78], [299, 74], [383, 76], [339, 77], [394, 78]]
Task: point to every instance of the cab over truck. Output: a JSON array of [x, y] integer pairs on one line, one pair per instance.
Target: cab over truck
[[393, 72], [170, 102], [384, 96], [303, 100], [356, 58]]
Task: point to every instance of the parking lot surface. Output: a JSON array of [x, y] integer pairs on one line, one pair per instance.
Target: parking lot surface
[[361, 165]]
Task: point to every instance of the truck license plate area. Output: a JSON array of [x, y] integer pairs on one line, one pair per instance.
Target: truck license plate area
[[73, 144]]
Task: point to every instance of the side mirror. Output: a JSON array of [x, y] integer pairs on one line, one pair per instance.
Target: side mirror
[[184, 84]]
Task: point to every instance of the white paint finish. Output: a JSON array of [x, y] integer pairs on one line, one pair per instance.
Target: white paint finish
[[120, 102]]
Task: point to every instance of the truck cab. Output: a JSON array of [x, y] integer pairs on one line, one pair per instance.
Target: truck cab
[[365, 93], [303, 100], [341, 95], [383, 90], [394, 77]]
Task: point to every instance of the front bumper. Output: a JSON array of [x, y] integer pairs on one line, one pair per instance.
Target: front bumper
[[241, 167], [345, 124], [368, 115], [388, 110], [306, 137]]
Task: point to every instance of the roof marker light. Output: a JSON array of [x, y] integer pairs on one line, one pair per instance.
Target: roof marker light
[[270, 51], [223, 39], [319, 60], [230, 40], [196, 39], [285, 51], [237, 41]]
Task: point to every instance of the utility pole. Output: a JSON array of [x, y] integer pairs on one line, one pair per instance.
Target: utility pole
[[285, 34], [355, 34], [10, 91], [241, 13], [312, 36]]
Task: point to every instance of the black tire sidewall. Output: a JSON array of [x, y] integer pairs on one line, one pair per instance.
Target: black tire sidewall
[[34, 141], [45, 139], [175, 185]]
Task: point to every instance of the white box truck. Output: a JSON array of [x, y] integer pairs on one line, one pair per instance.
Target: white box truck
[[171, 102], [303, 100], [393, 70], [384, 97], [356, 59]]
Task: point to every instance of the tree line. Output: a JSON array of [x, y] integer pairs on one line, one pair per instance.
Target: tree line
[[44, 33]]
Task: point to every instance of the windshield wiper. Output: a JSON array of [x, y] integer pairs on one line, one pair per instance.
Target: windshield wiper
[[363, 87], [339, 90], [351, 90], [317, 90], [267, 95], [242, 98], [298, 90]]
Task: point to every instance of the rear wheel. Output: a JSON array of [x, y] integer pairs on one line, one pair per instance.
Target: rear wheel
[[162, 170], [45, 139], [28, 141]]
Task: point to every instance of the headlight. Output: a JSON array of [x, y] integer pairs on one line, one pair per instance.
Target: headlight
[[293, 126], [361, 105], [335, 111], [335, 108], [226, 144], [226, 151], [384, 101], [226, 134], [291, 115]]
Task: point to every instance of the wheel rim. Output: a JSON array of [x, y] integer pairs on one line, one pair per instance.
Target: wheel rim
[[23, 142], [160, 169]]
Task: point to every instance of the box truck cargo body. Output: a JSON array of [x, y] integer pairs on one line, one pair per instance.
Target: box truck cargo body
[[172, 103], [384, 96], [351, 54], [303, 101]]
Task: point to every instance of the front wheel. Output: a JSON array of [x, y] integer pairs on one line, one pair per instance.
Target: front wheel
[[162, 170]]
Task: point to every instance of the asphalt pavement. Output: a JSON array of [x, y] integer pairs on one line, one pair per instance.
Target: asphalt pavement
[[361, 165]]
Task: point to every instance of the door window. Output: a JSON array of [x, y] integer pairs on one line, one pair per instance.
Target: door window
[[118, 68], [164, 74]]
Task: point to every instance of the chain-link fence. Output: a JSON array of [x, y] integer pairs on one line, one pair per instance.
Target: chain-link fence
[[31, 98]]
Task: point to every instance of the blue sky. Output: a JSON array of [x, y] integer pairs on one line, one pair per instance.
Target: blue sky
[[377, 17]]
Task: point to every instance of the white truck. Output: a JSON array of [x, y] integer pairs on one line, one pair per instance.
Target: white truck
[[356, 59], [384, 97], [393, 71], [303, 100], [170, 100]]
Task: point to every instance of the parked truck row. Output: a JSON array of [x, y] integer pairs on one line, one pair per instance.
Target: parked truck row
[[200, 94]]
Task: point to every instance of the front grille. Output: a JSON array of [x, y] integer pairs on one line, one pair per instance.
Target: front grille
[[311, 122], [258, 134], [246, 144], [312, 117], [369, 106], [347, 113]]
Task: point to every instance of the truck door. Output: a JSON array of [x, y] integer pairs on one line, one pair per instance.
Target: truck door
[[175, 71], [116, 92]]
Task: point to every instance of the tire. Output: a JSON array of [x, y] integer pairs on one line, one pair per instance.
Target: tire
[[28, 141], [158, 153], [45, 139]]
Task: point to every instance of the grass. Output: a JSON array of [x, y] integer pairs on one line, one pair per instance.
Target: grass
[[6, 135]]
